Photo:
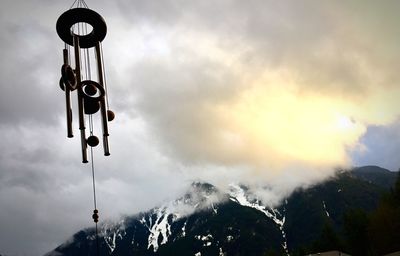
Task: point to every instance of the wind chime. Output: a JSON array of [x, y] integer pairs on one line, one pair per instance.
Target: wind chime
[[82, 31]]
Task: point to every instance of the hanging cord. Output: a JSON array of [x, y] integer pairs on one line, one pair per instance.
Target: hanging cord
[[95, 215], [85, 63], [79, 3], [85, 5], [72, 4]]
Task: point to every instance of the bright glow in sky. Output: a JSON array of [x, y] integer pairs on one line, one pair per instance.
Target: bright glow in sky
[[276, 126]]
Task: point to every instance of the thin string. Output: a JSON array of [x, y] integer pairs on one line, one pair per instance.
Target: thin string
[[87, 57], [94, 190], [88, 62], [91, 128], [93, 179], [79, 3], [84, 4], [91, 124], [97, 241], [73, 4], [94, 187]]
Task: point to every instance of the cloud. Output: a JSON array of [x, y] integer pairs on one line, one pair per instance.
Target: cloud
[[26, 77], [308, 93], [45, 188], [277, 92], [271, 94]]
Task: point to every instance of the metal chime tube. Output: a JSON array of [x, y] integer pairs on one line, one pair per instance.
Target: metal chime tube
[[70, 133], [80, 99], [102, 101]]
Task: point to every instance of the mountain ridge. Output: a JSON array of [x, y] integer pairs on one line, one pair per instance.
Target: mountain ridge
[[207, 221]]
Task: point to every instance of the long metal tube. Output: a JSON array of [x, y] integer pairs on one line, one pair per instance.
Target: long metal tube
[[102, 101], [80, 99], [70, 133]]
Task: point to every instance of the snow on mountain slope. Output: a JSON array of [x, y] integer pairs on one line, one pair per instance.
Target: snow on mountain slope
[[113, 231], [239, 195], [169, 221], [158, 221], [200, 196], [161, 227]]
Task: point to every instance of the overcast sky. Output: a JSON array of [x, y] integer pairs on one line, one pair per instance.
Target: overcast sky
[[267, 93]]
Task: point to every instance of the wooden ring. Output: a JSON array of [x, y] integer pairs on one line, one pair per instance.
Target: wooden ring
[[76, 15]]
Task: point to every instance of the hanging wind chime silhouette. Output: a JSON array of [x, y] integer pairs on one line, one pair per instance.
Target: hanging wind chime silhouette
[[82, 31]]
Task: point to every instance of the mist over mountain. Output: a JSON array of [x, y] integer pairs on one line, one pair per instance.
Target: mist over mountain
[[208, 221]]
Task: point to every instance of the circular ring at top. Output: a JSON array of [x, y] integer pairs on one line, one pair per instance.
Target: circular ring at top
[[76, 15]]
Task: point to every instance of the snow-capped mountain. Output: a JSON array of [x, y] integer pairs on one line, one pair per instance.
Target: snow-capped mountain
[[207, 221]]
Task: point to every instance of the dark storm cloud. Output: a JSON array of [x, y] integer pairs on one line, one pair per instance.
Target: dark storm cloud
[[27, 74]]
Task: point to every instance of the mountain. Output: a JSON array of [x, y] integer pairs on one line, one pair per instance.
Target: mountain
[[207, 221], [376, 175]]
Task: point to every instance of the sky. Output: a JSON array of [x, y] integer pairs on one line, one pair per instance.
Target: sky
[[273, 94]]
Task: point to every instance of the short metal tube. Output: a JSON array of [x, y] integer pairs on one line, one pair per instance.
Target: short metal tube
[[106, 146], [70, 133]]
